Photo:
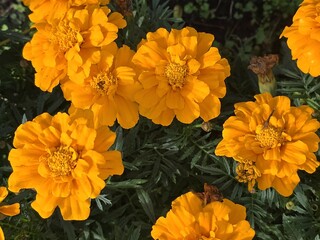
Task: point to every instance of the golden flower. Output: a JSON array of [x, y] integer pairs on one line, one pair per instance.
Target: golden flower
[[276, 140], [109, 89], [65, 159], [71, 44], [7, 210], [247, 172], [47, 10], [189, 218], [181, 75], [304, 37]]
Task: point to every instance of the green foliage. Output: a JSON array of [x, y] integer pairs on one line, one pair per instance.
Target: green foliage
[[147, 18], [246, 28], [161, 163]]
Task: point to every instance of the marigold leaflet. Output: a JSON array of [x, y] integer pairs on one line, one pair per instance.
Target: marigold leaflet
[[271, 141], [182, 76], [304, 37], [109, 89], [65, 159], [190, 218], [70, 45]]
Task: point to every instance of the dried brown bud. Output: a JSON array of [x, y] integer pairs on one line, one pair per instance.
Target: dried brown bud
[[262, 66], [207, 126], [124, 7], [211, 194]]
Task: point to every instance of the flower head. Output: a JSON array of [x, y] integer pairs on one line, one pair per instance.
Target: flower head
[[7, 210], [247, 172], [65, 159], [182, 76], [48, 10], [70, 45], [190, 218], [109, 88], [271, 141], [303, 37]]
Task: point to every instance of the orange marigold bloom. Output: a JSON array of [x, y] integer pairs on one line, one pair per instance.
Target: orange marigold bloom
[[304, 37], [271, 141], [65, 159], [109, 89], [181, 75], [71, 44], [190, 218], [47, 10], [7, 210]]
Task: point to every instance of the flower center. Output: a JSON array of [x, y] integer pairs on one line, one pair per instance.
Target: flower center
[[247, 173], [269, 136], [176, 75], [62, 161], [104, 83], [64, 36]]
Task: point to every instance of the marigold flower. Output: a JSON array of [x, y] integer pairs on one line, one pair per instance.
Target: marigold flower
[[272, 140], [109, 89], [47, 10], [181, 75], [65, 159], [190, 218], [70, 45], [7, 210], [247, 172], [303, 37]]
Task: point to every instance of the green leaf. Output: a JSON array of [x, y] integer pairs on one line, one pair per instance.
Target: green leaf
[[146, 204], [132, 183]]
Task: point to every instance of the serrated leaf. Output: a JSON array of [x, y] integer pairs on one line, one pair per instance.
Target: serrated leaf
[[187, 153], [301, 197], [213, 170], [68, 228], [195, 158], [146, 204], [24, 118], [133, 183], [135, 235]]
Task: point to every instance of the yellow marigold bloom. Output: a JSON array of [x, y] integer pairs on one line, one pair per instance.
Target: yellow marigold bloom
[[7, 210], [109, 89], [65, 159], [181, 75], [272, 141], [304, 37], [71, 44], [247, 172], [190, 218], [47, 10]]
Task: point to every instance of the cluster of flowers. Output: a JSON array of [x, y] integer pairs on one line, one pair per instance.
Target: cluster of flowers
[[178, 74], [174, 73]]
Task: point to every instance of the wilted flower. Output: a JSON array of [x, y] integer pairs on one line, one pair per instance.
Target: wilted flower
[[262, 66]]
